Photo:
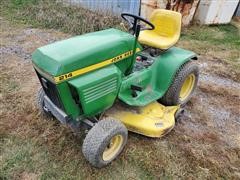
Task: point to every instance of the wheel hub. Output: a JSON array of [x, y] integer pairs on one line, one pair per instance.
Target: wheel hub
[[113, 147], [187, 87]]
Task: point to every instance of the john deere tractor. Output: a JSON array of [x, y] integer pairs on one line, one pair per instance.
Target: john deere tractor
[[111, 81]]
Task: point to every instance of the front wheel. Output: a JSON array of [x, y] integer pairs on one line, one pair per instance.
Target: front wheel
[[40, 103], [183, 86], [104, 142]]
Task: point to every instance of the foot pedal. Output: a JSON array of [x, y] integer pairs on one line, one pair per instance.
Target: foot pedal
[[134, 89]]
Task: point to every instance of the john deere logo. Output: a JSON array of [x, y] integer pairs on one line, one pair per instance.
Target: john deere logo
[[122, 56]]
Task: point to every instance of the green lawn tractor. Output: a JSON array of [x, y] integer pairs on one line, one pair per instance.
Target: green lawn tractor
[[111, 81]]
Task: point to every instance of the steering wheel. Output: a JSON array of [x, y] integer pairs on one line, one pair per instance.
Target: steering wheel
[[133, 22]]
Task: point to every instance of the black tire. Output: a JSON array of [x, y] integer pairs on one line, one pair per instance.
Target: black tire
[[172, 96], [99, 138], [40, 103]]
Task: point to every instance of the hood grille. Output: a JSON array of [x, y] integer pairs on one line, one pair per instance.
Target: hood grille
[[50, 90], [99, 90]]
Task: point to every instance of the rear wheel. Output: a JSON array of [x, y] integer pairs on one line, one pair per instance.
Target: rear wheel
[[104, 142], [40, 103], [183, 86]]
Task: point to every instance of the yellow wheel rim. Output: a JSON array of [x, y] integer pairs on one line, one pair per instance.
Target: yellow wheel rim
[[187, 87], [113, 148]]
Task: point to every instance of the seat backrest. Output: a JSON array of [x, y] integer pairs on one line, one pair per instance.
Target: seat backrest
[[167, 23]]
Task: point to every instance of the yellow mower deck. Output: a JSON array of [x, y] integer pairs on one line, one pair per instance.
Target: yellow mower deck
[[153, 120]]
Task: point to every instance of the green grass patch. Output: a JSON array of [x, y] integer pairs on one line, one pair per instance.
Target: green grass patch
[[216, 41], [22, 158], [227, 35]]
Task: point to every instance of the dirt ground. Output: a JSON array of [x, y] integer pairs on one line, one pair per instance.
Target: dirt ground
[[204, 144]]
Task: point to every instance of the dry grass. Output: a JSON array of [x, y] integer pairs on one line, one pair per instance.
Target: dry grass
[[57, 15]]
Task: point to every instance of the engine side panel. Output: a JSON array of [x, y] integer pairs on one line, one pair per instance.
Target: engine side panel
[[97, 90]]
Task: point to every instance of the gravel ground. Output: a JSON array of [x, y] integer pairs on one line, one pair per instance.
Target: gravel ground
[[219, 81]]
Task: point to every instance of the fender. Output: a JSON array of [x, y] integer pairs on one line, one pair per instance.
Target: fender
[[156, 79], [167, 66]]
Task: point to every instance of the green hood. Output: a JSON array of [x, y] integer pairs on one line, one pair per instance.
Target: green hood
[[81, 51]]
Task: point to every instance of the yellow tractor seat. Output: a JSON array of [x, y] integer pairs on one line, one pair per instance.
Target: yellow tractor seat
[[167, 29]]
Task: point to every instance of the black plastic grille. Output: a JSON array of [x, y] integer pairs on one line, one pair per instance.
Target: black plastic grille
[[51, 91]]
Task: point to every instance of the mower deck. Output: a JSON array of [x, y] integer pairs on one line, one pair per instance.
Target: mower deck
[[153, 120]]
